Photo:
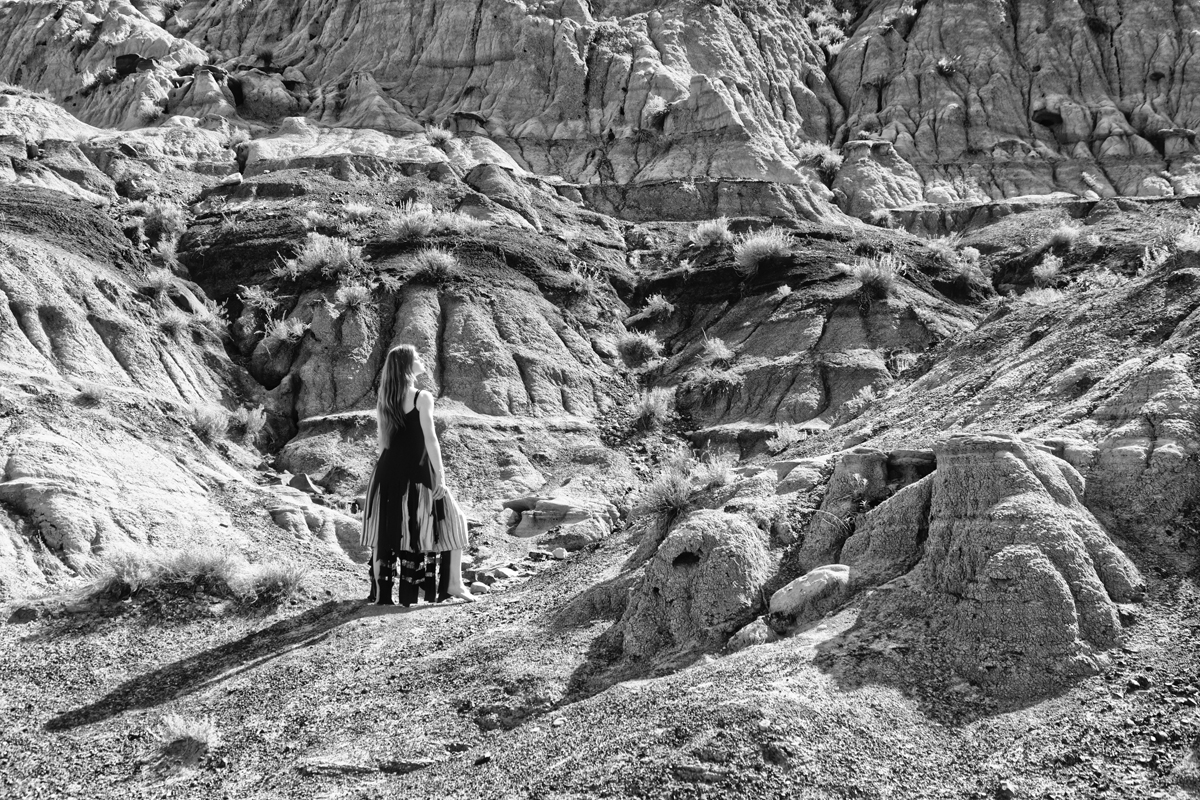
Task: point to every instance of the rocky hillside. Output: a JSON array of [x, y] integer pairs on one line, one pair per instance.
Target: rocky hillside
[[821, 382]]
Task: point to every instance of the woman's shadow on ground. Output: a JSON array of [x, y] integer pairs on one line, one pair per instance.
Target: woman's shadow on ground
[[211, 667]]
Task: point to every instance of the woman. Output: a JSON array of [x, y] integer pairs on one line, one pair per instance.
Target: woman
[[410, 517]]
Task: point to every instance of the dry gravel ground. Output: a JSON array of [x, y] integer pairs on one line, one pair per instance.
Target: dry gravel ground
[[330, 698]]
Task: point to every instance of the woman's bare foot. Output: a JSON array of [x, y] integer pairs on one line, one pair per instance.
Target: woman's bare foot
[[462, 593]]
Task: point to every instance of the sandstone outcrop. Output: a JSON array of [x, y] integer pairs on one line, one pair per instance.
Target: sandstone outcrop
[[702, 584]]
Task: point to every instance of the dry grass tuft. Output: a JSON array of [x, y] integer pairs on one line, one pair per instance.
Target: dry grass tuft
[[1042, 297], [714, 471], [258, 298], [354, 299], [438, 136], [248, 423], [358, 212], [712, 232], [716, 352], [433, 267], [666, 497], [786, 436], [1064, 236], [653, 408], [876, 276], [823, 157], [327, 254], [174, 323], [658, 307], [752, 250], [208, 422], [637, 348], [1047, 272]]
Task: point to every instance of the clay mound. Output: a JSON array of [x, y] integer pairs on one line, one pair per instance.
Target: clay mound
[[702, 585], [1018, 581]]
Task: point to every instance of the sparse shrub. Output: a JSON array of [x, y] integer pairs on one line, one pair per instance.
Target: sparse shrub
[[716, 353], [417, 221], [353, 299], [258, 298], [330, 255], [713, 472], [275, 582], [434, 267], [653, 408], [199, 569], [944, 248], [162, 220], [185, 739], [820, 155], [658, 307], [388, 282], [208, 422], [123, 573], [1048, 270], [248, 423], [164, 251], [1188, 240], [783, 290], [881, 218], [315, 219], [712, 232], [148, 111], [637, 348], [1153, 258], [437, 135], [831, 37], [1042, 297], [157, 283], [970, 256], [211, 316], [665, 498], [712, 382], [358, 212], [856, 405], [583, 284], [174, 323], [283, 330], [785, 436], [753, 249], [876, 276], [1064, 236], [90, 394]]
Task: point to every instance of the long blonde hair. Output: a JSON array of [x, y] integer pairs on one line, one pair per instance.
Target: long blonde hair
[[393, 384]]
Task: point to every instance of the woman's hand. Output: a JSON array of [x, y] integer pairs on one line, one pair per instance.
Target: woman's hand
[[439, 486]]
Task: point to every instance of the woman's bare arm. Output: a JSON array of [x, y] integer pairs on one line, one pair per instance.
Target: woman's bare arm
[[425, 407]]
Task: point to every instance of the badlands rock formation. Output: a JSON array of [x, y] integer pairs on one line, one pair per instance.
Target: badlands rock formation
[[934, 102]]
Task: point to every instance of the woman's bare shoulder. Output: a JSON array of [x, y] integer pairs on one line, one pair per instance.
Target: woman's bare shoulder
[[424, 400]]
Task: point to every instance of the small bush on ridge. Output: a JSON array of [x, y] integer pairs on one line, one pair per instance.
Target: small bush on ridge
[[208, 422], [434, 267], [752, 249], [714, 231], [1048, 270]]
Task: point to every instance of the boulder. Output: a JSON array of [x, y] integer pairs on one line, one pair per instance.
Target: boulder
[[809, 597], [755, 633], [562, 514], [702, 584]]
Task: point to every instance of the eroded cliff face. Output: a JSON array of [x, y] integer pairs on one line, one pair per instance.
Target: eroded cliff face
[[988, 100], [932, 102]]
